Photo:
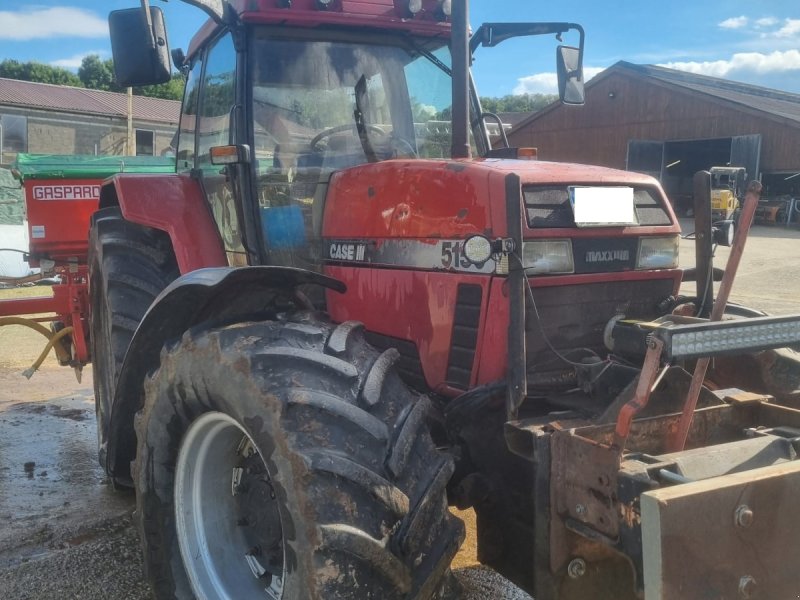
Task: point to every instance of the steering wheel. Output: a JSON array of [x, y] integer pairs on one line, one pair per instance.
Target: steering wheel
[[314, 143]]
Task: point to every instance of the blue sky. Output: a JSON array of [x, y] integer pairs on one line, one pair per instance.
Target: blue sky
[[753, 42]]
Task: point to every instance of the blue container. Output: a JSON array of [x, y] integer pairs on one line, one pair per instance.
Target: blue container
[[283, 226]]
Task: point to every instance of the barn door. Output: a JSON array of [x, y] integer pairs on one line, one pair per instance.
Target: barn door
[[746, 152], [646, 156]]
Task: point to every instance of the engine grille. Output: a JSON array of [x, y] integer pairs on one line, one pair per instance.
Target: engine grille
[[574, 316], [550, 207], [465, 335]]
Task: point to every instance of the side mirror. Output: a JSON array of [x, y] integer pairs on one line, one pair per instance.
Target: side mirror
[[139, 46], [178, 58], [570, 75]]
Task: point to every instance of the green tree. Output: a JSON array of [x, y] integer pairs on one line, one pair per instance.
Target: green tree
[[97, 74], [171, 90], [422, 112], [38, 73], [94, 73], [518, 103]]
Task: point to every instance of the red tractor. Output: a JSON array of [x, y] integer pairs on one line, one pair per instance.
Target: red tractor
[[345, 311]]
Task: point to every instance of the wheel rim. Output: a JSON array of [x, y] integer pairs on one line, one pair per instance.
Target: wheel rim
[[227, 518]]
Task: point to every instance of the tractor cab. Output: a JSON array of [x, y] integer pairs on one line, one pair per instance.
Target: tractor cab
[[279, 98]]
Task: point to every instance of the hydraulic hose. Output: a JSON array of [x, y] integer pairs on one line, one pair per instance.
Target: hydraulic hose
[[53, 339], [50, 344], [26, 279]]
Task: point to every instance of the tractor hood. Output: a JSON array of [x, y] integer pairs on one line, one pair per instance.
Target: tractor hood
[[534, 171], [455, 198]]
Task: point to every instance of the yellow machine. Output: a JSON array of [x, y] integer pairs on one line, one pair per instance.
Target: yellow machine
[[727, 186]]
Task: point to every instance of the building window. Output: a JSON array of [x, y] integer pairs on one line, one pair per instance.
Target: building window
[[13, 137], [145, 142]]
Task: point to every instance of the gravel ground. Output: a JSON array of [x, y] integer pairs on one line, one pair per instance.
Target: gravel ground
[[105, 564], [109, 566]]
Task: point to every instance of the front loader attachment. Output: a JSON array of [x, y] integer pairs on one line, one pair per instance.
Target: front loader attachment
[[647, 502], [684, 486], [713, 521]]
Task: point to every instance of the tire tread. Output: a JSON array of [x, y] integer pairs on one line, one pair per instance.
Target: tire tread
[[375, 450]]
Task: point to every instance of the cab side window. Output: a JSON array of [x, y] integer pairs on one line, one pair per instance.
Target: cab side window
[[186, 137], [217, 99]]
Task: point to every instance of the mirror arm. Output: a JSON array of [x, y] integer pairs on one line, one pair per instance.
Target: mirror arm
[[491, 34], [148, 21], [580, 46]]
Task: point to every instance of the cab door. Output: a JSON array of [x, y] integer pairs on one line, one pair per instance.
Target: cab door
[[205, 123]]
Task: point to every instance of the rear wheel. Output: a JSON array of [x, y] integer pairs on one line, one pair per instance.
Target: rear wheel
[[288, 460], [129, 265]]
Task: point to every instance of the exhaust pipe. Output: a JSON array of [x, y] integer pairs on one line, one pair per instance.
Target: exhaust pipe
[[460, 66]]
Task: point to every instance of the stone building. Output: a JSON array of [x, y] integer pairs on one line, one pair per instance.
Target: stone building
[[55, 119]]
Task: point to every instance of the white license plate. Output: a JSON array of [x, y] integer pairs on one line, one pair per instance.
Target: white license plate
[[602, 206]]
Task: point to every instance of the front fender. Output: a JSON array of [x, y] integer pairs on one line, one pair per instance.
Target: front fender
[[215, 295], [174, 204]]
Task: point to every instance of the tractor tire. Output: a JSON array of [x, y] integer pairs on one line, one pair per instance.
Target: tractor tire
[[286, 459], [129, 265]]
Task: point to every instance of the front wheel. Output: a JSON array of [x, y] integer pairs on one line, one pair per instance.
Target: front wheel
[[287, 460]]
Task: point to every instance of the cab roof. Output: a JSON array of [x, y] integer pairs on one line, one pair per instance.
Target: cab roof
[[430, 20]]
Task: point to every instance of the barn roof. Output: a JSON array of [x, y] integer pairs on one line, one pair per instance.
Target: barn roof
[[62, 98], [770, 102], [773, 102]]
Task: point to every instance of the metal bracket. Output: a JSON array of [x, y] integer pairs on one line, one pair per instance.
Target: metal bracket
[[649, 378]]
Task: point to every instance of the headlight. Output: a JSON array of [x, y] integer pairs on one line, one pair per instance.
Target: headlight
[[548, 256], [477, 249], [718, 338], [658, 252]]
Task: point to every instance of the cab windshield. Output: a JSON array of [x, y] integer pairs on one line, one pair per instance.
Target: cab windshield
[[320, 106]]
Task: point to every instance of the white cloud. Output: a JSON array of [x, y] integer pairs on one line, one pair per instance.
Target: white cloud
[[55, 22], [74, 62], [547, 83], [791, 28], [541, 83], [590, 72], [424, 111], [754, 62], [734, 22], [766, 22]]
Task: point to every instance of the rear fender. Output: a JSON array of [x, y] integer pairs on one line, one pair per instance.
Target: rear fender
[[174, 204], [208, 296]]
